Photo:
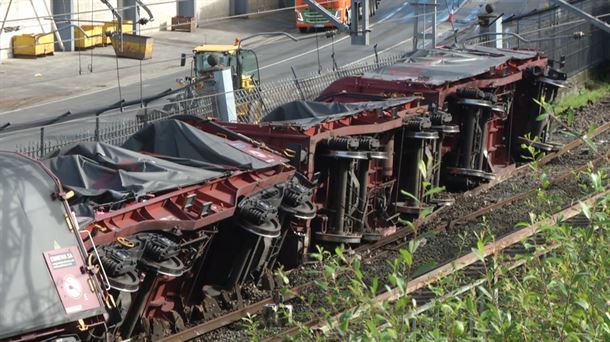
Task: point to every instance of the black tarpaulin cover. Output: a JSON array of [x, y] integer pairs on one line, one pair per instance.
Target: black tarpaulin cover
[[31, 223], [105, 173], [182, 143], [309, 113]]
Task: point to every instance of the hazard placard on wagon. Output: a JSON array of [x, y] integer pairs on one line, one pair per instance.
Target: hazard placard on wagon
[[72, 285]]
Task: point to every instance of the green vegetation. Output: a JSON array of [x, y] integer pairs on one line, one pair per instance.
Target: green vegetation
[[591, 92], [564, 296]]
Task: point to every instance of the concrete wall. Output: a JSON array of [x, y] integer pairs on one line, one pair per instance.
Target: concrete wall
[[22, 9], [163, 17], [208, 9], [87, 11], [262, 5], [95, 10]]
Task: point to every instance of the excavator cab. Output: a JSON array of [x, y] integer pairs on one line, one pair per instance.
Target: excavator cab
[[243, 63], [209, 58]]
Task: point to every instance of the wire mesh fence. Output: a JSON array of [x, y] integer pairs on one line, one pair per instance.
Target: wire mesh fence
[[251, 105], [115, 128], [560, 27]]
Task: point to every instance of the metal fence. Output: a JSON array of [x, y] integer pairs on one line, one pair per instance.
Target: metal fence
[[561, 25], [117, 127]]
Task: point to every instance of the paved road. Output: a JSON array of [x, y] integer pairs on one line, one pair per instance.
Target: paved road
[[391, 28]]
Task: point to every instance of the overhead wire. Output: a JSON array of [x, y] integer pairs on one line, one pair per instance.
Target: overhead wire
[[177, 58], [575, 23], [263, 45], [161, 27], [233, 16], [522, 33], [125, 111], [155, 62]]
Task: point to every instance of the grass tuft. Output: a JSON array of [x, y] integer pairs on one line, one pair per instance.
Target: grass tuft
[[590, 93]]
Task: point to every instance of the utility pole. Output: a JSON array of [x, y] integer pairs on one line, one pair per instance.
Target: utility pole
[[8, 8], [434, 24], [360, 28]]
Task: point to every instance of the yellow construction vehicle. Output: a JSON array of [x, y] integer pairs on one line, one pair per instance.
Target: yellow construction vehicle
[[208, 58], [245, 75], [243, 63]]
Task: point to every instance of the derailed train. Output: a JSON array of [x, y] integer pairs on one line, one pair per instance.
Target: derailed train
[[104, 241]]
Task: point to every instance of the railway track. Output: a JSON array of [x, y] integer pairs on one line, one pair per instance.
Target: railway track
[[446, 218], [472, 265]]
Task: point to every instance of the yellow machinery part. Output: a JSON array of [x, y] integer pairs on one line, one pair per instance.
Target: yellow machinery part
[[246, 82], [33, 44], [112, 26], [134, 46], [94, 32], [229, 49]]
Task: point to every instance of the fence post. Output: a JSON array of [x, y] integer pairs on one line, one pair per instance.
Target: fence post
[[539, 34], [144, 117], [518, 42], [296, 82], [41, 142], [376, 55], [261, 98], [97, 129], [553, 43]]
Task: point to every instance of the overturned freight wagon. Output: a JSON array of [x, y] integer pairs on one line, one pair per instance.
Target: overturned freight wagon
[[356, 157], [155, 235], [148, 236], [379, 145], [490, 93], [46, 288]]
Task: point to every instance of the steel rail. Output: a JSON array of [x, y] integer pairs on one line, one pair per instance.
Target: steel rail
[[522, 195], [231, 317]]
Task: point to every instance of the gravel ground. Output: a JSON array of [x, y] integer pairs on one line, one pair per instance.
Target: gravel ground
[[442, 244]]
